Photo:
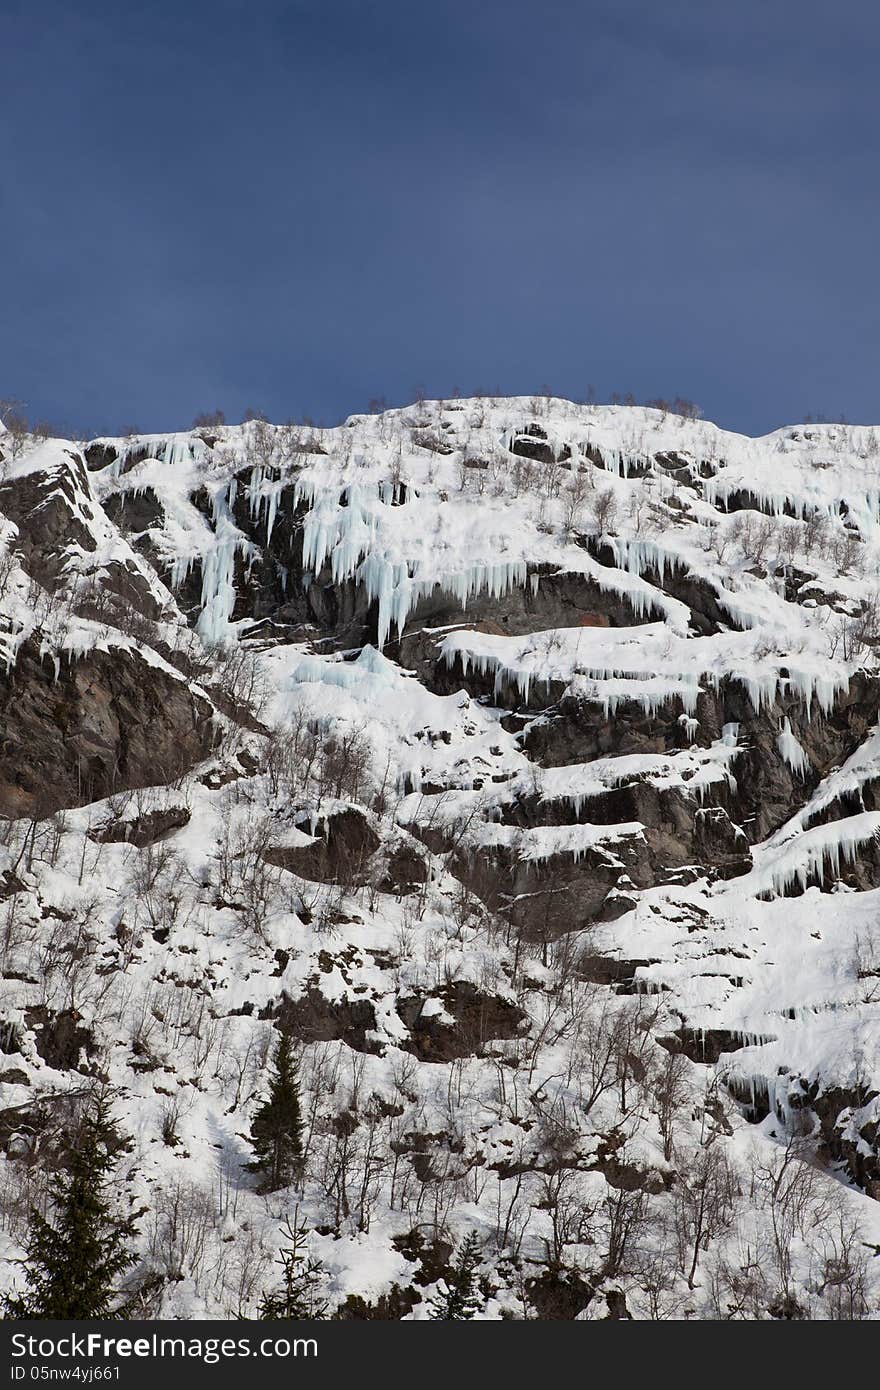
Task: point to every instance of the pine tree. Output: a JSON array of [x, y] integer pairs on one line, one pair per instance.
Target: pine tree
[[76, 1257], [297, 1296], [461, 1297], [276, 1131]]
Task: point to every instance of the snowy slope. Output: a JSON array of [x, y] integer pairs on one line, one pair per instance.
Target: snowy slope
[[518, 734]]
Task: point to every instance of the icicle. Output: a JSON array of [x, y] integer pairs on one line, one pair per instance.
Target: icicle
[[792, 751], [218, 570]]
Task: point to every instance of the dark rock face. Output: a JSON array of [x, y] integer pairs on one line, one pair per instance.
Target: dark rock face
[[340, 855], [477, 1018], [405, 872], [397, 1303], [719, 842], [107, 723], [315, 1018], [531, 444], [42, 1127], [708, 614], [144, 830], [134, 512], [99, 455], [558, 1295], [707, 1044], [470, 1019], [269, 587], [14, 1076], [552, 898], [51, 510], [609, 970], [857, 1145], [617, 1309], [9, 885], [61, 1041], [11, 1040]]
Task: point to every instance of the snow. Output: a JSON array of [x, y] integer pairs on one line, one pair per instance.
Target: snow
[[218, 568], [694, 771], [815, 853], [370, 507], [791, 749], [617, 664]]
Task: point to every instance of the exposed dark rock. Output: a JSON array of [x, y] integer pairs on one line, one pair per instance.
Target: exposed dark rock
[[134, 512], [707, 610], [609, 970], [107, 722], [432, 1255], [14, 1076], [429, 1154], [397, 1303], [51, 510], [60, 1038], [315, 1018], [11, 1040], [630, 1177], [857, 1145], [561, 600], [477, 1018], [406, 870], [617, 1309], [623, 1175], [529, 446], [145, 829], [120, 596], [719, 842], [708, 1044], [559, 1294], [576, 730], [99, 455], [10, 885], [752, 1096], [346, 841], [41, 1128]]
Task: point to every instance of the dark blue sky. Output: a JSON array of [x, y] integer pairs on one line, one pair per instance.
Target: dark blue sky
[[300, 206]]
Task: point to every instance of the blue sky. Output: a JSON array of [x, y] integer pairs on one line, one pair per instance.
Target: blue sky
[[297, 207]]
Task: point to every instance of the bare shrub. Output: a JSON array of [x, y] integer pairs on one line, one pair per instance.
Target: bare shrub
[[209, 420], [841, 1274], [671, 1092], [345, 764], [180, 1230], [568, 1214], [703, 1204], [15, 437], [574, 498], [604, 508], [755, 535], [238, 677], [246, 880]]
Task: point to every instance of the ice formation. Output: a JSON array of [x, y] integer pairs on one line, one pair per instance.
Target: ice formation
[[791, 749], [684, 660]]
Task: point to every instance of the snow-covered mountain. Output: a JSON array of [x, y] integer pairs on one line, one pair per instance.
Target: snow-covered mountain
[[521, 760]]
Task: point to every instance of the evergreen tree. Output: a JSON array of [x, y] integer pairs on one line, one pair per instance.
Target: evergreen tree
[[276, 1131], [76, 1256], [298, 1294], [461, 1298]]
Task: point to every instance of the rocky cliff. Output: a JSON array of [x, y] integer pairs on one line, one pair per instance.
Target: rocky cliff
[[520, 759]]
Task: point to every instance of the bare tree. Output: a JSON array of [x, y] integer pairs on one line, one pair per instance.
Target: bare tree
[[703, 1204], [671, 1091]]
